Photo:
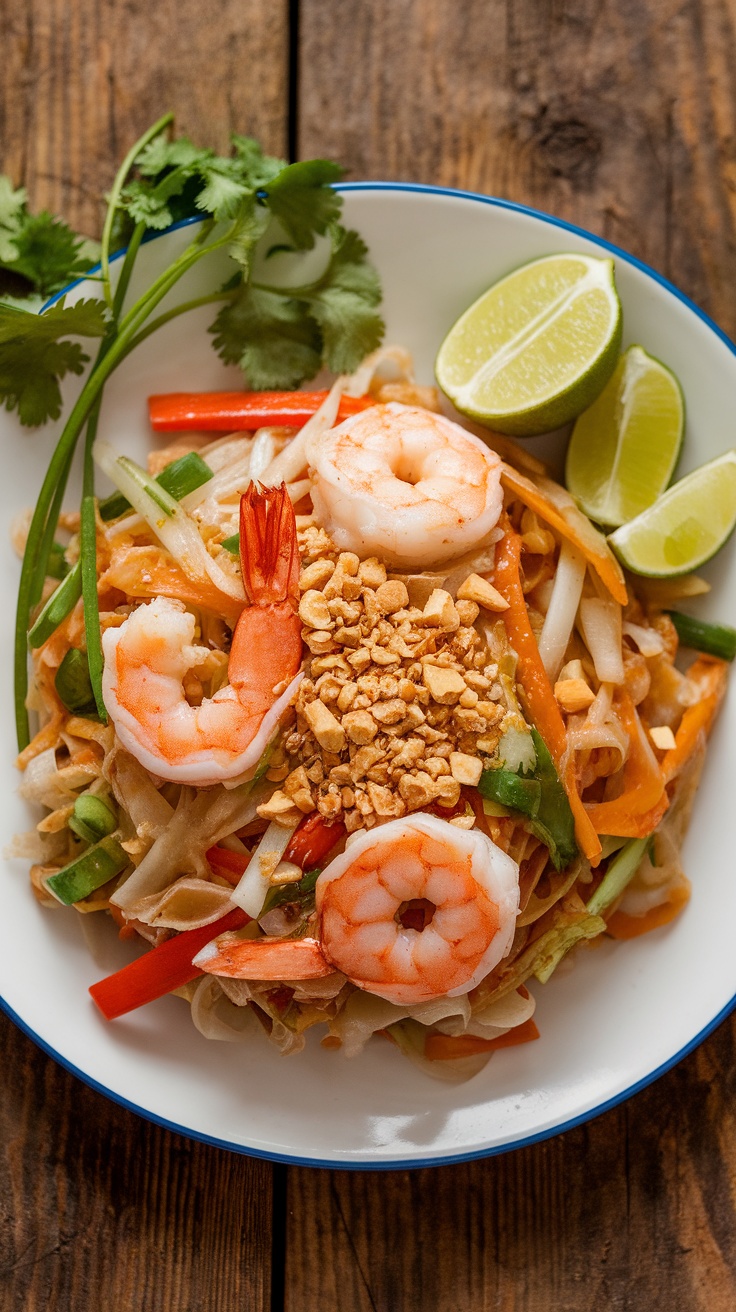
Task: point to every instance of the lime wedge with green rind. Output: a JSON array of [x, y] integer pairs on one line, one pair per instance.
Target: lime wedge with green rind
[[686, 526], [624, 448], [537, 348]]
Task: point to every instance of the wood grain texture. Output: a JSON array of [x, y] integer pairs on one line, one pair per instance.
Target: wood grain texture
[[101, 1210], [632, 1212], [97, 1208], [618, 115], [82, 79]]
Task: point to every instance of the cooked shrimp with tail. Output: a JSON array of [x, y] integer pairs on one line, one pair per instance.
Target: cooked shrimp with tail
[[414, 910], [404, 484], [149, 655]]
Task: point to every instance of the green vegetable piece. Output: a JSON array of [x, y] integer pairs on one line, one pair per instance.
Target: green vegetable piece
[[92, 819], [178, 479], [89, 871], [57, 567], [713, 639], [73, 683], [554, 820], [621, 870], [58, 606], [232, 544], [300, 892], [511, 790], [541, 798]]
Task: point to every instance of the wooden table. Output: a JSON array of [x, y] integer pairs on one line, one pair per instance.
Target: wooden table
[[619, 115]]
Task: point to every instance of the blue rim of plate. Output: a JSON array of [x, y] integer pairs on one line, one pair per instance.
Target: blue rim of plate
[[415, 1163]]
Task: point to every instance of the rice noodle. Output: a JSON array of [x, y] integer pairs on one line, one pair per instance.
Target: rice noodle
[[255, 882], [292, 461], [200, 820], [173, 527], [600, 623], [567, 590], [188, 903], [649, 641], [401, 368]]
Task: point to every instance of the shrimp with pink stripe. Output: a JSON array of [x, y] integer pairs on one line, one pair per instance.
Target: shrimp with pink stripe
[[149, 655], [413, 910]]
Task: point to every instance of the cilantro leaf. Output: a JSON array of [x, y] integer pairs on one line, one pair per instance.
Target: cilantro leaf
[[34, 358], [301, 198], [344, 304], [38, 253], [275, 343], [48, 254]]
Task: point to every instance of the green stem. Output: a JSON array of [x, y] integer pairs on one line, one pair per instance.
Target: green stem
[[114, 352], [48, 537], [130, 256], [620, 871], [162, 319], [88, 557], [114, 199]]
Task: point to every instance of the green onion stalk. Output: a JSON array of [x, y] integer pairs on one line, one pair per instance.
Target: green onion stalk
[[124, 333]]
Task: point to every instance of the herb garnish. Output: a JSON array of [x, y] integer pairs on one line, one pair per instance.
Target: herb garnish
[[280, 336]]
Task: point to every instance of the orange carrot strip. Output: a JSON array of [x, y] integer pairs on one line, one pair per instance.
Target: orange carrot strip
[[445, 1047], [712, 676], [540, 699], [643, 801], [572, 525], [622, 926]]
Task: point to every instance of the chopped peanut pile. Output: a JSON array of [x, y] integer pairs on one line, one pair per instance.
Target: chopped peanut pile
[[400, 706]]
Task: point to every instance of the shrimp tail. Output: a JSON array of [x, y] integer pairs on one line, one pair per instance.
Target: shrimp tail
[[269, 553], [263, 959]]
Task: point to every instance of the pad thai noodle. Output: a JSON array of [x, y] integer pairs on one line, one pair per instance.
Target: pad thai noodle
[[389, 731]]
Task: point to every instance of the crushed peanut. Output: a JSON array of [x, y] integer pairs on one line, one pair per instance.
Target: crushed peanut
[[662, 737], [400, 705], [483, 593], [574, 695]]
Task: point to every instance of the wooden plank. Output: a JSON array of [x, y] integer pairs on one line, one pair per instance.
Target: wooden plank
[[81, 81], [633, 1211], [99, 1209], [618, 117]]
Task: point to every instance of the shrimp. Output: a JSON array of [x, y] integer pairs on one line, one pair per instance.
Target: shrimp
[[147, 658], [464, 889], [404, 484]]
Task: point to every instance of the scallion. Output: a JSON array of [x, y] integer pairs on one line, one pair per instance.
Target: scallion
[[58, 606], [89, 871], [74, 685], [178, 479], [92, 819], [713, 639]]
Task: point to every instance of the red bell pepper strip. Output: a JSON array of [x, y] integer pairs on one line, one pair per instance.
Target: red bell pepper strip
[[164, 968], [230, 865], [231, 412], [312, 840]]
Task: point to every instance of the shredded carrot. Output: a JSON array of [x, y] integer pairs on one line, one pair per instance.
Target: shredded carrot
[[712, 676], [573, 526], [540, 699], [643, 800], [622, 926], [445, 1047]]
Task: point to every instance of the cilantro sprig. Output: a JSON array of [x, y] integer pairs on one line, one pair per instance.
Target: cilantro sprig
[[280, 336], [39, 254]]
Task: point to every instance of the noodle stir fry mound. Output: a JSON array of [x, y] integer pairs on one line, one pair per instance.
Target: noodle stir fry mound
[[389, 732]]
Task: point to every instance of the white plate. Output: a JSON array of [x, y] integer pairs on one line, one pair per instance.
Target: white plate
[[622, 1016]]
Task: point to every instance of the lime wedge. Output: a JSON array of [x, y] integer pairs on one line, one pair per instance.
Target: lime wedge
[[687, 526], [537, 348], [624, 448]]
